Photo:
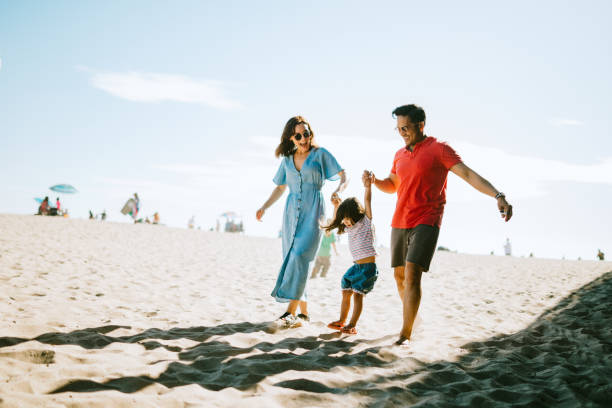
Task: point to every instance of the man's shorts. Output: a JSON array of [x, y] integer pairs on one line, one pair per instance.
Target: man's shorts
[[416, 245], [360, 278]]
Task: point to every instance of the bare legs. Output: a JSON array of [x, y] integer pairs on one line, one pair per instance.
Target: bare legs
[[346, 305], [293, 306], [409, 289]]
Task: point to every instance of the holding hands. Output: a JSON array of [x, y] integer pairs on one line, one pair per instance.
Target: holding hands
[[336, 200], [367, 178]]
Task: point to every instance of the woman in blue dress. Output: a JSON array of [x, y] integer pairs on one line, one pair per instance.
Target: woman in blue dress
[[304, 168]]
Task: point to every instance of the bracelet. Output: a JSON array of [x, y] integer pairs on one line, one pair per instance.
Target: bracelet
[[499, 195]]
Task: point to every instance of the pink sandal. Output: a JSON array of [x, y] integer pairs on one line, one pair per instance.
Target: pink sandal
[[336, 325]]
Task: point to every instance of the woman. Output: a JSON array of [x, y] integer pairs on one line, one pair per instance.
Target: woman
[[304, 168]]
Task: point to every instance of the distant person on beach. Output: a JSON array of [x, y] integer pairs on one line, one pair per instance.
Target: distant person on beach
[[91, 216], [304, 168], [135, 208], [57, 205], [600, 255], [323, 259], [156, 218], [418, 176], [360, 278], [43, 208], [103, 215], [508, 247]]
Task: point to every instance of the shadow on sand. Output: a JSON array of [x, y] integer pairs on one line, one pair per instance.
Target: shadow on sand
[[563, 359]]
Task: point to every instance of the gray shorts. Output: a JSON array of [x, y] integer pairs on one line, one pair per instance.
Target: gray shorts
[[416, 245]]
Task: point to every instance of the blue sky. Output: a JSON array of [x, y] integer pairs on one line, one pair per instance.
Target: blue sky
[[184, 103]]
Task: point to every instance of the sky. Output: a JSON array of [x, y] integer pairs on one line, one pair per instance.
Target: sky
[[184, 103]]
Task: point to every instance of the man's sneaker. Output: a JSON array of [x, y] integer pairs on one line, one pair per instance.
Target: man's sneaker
[[303, 317]]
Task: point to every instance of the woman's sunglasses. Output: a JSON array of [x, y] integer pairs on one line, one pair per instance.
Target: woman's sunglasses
[[298, 136]]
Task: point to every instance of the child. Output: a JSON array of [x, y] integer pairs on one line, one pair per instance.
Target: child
[[323, 260], [360, 278]]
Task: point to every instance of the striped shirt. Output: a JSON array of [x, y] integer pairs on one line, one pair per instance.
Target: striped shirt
[[361, 239]]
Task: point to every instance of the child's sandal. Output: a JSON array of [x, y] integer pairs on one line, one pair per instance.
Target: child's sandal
[[336, 325]]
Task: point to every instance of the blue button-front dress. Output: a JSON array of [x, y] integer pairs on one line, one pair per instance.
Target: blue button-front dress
[[304, 209]]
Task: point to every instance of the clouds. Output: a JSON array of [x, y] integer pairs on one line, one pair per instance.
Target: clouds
[[155, 87]]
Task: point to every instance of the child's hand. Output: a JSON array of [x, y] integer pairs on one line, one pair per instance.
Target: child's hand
[[367, 178]]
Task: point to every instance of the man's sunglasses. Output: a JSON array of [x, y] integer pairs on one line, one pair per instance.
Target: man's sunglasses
[[298, 136]]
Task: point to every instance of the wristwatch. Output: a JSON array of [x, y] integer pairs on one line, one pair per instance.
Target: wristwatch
[[500, 194]]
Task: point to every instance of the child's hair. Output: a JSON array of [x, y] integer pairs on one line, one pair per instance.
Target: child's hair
[[349, 208]]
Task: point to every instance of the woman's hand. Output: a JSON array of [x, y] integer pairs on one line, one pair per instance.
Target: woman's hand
[[336, 200], [260, 213]]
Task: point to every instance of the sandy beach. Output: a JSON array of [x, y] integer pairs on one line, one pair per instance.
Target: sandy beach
[[118, 315]]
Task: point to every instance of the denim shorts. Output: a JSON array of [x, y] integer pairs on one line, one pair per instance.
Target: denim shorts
[[360, 278]]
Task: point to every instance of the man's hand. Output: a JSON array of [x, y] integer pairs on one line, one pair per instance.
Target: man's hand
[[505, 209], [367, 178]]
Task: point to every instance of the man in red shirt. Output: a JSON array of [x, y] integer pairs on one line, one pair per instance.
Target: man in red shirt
[[418, 176]]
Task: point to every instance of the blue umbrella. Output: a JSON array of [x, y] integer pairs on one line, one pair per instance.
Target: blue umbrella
[[63, 188], [38, 200]]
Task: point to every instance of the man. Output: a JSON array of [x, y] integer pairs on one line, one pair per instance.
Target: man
[[419, 176]]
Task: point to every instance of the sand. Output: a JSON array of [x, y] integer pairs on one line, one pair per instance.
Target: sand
[[103, 314]]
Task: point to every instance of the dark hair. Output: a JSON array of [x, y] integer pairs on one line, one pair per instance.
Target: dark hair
[[286, 147], [414, 112], [349, 208]]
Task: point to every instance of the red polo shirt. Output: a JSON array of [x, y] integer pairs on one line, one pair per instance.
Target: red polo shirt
[[421, 194]]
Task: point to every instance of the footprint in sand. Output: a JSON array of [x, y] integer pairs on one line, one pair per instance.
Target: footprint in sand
[[32, 356]]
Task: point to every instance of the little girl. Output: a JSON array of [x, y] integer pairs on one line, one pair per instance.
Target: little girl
[[360, 278]]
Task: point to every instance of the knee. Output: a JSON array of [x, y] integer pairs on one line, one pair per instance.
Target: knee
[[413, 275], [399, 274]]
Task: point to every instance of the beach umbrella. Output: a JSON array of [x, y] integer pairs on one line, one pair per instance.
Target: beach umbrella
[[229, 214], [39, 200], [63, 188]]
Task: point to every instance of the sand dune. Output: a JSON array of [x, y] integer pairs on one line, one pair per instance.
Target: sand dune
[[99, 315]]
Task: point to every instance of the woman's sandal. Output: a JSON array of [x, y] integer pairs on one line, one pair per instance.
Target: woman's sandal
[[336, 325], [349, 330]]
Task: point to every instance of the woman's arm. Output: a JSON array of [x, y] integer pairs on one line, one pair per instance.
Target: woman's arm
[[276, 194], [342, 185]]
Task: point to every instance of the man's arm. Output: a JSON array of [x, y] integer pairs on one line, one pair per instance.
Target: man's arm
[[483, 185], [388, 185]]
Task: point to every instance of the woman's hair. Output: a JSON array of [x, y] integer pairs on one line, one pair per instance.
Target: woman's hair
[[286, 147], [349, 208]]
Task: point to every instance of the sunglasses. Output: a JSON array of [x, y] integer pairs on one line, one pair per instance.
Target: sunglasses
[[402, 129], [298, 136]]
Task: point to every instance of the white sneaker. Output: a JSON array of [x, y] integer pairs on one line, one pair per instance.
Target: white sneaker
[[292, 322]]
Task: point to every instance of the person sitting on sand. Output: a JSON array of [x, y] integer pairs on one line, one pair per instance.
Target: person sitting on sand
[[156, 218], [43, 208], [361, 276]]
